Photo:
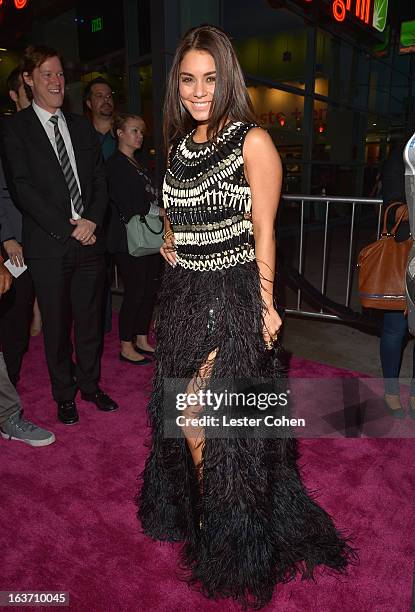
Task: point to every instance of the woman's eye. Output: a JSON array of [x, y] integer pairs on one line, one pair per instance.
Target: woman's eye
[[211, 79], [186, 79]]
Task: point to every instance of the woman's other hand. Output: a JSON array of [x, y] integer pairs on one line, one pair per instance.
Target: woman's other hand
[[271, 325]]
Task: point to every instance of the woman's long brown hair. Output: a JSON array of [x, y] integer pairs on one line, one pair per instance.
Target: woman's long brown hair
[[230, 100]]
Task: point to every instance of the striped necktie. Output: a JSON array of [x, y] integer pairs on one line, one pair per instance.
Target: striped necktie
[[67, 170]]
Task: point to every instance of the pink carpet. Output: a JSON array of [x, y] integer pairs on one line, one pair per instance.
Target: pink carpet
[[68, 518]]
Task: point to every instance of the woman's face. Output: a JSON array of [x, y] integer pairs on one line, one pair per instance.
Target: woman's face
[[131, 135], [197, 78]]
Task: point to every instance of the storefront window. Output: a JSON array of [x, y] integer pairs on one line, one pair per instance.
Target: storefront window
[[341, 71], [279, 58], [145, 78], [399, 93], [332, 179], [282, 115], [279, 52], [338, 133], [379, 89]]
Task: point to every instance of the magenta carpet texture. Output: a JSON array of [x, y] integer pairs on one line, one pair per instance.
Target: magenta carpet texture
[[68, 519]]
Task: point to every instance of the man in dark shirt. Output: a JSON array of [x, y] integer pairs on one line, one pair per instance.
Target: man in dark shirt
[[99, 108]]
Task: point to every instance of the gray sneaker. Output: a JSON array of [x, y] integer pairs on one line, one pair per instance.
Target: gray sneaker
[[17, 428]]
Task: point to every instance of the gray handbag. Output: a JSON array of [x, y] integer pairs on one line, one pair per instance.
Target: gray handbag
[[144, 232], [144, 235]]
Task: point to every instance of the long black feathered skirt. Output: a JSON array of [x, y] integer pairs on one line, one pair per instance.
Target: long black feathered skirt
[[252, 523]]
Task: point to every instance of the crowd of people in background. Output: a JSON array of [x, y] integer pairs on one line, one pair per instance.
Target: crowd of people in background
[[69, 184]]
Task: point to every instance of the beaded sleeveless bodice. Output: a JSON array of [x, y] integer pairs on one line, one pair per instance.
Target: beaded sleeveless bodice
[[208, 201]]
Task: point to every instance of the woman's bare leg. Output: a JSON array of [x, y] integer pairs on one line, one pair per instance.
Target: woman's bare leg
[[195, 436], [36, 325]]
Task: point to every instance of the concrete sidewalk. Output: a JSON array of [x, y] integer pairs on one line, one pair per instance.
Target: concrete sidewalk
[[339, 345]]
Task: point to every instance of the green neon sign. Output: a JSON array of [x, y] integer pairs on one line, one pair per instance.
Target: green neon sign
[[380, 14], [97, 24]]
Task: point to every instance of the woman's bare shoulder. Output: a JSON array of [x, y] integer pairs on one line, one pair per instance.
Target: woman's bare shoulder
[[258, 142]]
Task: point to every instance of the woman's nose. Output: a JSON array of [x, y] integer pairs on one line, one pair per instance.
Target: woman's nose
[[200, 89]]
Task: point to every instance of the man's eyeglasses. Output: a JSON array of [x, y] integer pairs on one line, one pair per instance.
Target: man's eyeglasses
[[103, 96]]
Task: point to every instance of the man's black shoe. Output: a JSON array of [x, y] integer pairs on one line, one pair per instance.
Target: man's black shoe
[[101, 400], [67, 412]]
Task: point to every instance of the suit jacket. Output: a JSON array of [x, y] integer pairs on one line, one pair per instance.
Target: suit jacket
[[38, 186], [10, 217]]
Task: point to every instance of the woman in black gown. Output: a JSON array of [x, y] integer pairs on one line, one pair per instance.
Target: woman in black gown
[[238, 504]]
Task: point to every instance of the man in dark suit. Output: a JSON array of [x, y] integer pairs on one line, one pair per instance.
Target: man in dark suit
[[16, 307], [55, 172]]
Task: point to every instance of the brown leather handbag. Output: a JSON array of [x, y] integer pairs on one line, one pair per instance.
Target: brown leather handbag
[[382, 266]]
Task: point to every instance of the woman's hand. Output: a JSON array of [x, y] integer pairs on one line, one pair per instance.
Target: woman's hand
[[168, 251], [271, 325]]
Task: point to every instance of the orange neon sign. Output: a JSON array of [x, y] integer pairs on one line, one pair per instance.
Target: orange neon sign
[[362, 9], [19, 4]]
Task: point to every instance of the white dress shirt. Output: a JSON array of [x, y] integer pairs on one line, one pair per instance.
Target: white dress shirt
[[44, 116]]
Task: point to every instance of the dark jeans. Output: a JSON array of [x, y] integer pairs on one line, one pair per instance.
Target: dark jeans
[[392, 341], [16, 311], [140, 277], [69, 289]]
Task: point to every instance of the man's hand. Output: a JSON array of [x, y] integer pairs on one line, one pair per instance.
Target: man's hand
[[5, 279], [84, 230], [15, 252]]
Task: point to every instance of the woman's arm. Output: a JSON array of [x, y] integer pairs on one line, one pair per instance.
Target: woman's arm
[[168, 249], [263, 171]]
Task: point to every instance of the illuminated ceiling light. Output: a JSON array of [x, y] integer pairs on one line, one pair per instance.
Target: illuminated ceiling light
[[3, 49], [373, 124]]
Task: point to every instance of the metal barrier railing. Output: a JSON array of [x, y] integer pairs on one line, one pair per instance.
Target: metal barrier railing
[[329, 201], [326, 201]]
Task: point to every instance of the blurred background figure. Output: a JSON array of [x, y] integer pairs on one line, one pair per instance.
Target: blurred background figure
[[12, 424], [99, 107], [394, 333], [17, 307], [132, 193]]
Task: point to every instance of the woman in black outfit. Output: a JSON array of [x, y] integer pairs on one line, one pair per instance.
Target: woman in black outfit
[[132, 193]]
